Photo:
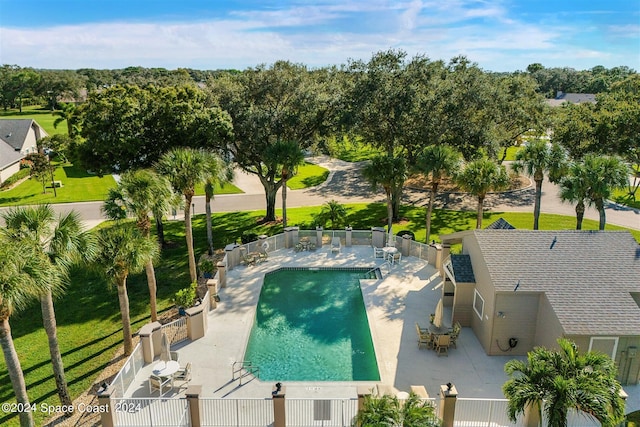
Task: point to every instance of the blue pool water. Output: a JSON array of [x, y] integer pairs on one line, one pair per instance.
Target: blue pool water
[[312, 326]]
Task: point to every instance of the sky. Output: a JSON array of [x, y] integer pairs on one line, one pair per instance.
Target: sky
[[499, 35]]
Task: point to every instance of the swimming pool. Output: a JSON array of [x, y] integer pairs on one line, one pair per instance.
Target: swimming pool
[[311, 325]]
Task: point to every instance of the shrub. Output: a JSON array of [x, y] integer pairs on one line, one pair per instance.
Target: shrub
[[22, 173], [187, 296]]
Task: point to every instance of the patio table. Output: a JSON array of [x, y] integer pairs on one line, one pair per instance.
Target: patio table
[[166, 369]]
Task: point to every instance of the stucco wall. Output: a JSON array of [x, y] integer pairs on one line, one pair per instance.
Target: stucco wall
[[7, 172], [548, 329], [515, 316], [484, 286]]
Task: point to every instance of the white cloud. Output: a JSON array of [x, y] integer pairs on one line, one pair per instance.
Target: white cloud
[[311, 34]]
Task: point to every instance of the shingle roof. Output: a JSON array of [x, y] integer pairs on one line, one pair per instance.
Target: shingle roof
[[14, 131], [462, 268], [587, 276], [574, 98], [500, 224]]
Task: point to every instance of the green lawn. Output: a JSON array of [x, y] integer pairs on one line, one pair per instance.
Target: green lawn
[[78, 186], [88, 314], [309, 175], [225, 189], [41, 115]]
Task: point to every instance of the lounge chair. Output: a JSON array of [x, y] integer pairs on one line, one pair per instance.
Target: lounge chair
[[335, 244], [424, 337], [159, 383], [442, 344]]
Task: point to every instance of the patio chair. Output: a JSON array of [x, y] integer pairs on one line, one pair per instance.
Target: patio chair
[[335, 244], [455, 333], [442, 344], [396, 257], [378, 252], [183, 375], [424, 337], [159, 383], [174, 355], [312, 246], [298, 247]]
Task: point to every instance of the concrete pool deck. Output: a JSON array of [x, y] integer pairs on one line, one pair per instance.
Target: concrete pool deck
[[407, 293]]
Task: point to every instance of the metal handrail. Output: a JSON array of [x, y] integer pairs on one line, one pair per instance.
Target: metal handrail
[[246, 366]]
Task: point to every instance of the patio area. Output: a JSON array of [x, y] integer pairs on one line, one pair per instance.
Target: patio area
[[408, 293]]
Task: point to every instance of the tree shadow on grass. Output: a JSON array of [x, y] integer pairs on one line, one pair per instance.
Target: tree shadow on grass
[[73, 171]]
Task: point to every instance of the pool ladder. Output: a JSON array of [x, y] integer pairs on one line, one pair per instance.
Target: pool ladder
[[243, 369]]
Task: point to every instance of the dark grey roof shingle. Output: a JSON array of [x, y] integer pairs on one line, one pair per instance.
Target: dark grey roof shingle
[[500, 224], [462, 269]]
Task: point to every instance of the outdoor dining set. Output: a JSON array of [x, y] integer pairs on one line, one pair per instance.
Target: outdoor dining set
[[167, 372], [438, 338], [305, 244]]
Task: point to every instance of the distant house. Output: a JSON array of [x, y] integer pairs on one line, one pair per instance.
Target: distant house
[[518, 289], [17, 139], [572, 98]]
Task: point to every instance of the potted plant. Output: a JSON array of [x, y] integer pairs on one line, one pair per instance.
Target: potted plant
[[206, 268], [185, 298]]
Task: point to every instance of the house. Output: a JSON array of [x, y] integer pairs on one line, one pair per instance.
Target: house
[[18, 138], [518, 289], [572, 98]]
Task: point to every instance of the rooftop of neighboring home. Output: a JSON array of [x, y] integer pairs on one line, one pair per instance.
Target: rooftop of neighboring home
[[573, 98], [13, 135]]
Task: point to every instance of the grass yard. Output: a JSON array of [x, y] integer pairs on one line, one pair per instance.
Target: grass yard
[[41, 115], [225, 189], [309, 175], [88, 314], [77, 186], [351, 151]]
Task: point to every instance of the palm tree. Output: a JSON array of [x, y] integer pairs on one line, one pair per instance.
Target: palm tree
[[574, 188], [535, 159], [604, 174], [185, 168], [389, 172], [141, 193], [332, 211], [389, 411], [479, 177], [64, 242], [68, 112], [220, 172], [437, 160], [123, 250], [24, 277], [553, 382], [287, 156]]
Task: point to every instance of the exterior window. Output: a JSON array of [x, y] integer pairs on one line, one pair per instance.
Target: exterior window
[[606, 345], [478, 304]]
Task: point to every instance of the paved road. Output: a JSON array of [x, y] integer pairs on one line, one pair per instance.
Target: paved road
[[345, 185]]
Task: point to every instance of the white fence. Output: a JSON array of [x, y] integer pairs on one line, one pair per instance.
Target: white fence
[[324, 412], [483, 413], [128, 373], [176, 331], [236, 412], [152, 412]]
